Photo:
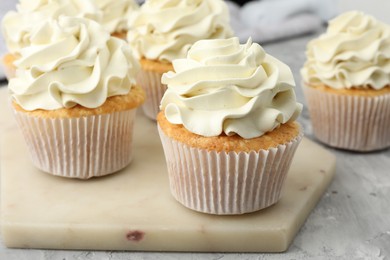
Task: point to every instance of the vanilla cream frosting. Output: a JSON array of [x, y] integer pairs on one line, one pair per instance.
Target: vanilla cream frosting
[[72, 61], [165, 29], [223, 86], [117, 13], [353, 53], [17, 25]]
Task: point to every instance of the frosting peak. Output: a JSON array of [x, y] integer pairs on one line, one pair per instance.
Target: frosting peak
[[165, 29], [116, 13], [223, 86], [354, 52], [17, 25], [72, 61]]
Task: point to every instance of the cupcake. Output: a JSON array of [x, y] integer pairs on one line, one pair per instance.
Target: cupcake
[[227, 127], [346, 81], [164, 30], [116, 15], [74, 97], [18, 25]]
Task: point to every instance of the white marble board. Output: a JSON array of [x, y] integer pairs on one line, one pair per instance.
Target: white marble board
[[133, 209]]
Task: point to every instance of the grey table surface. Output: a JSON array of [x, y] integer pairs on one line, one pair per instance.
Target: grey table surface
[[351, 221]]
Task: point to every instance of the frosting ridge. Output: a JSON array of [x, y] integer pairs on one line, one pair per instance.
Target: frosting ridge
[[353, 53], [116, 13], [17, 25], [223, 86], [72, 61], [165, 29]]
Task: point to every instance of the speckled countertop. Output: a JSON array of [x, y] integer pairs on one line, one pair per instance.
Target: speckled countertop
[[351, 221]]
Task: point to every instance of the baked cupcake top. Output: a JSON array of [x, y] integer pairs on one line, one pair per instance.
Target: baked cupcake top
[[164, 30], [18, 25], [223, 86], [72, 61], [353, 53], [116, 13]]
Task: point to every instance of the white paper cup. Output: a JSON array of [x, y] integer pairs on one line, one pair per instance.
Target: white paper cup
[[359, 123], [84, 147], [154, 90], [226, 183]]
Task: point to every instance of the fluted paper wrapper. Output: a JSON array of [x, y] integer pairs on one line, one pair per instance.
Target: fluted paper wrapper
[[359, 123], [154, 89], [226, 183], [82, 147]]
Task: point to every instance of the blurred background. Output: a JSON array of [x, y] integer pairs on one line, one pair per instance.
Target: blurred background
[[273, 20]]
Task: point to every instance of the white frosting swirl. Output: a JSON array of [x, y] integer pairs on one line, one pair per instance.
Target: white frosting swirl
[[117, 13], [17, 25], [353, 53], [72, 61], [225, 86], [165, 29]]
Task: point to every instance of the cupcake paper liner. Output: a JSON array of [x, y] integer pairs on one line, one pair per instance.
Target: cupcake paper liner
[[359, 123], [154, 89], [226, 183], [84, 147]]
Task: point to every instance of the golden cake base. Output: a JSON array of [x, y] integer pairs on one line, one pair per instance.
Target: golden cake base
[[134, 210]]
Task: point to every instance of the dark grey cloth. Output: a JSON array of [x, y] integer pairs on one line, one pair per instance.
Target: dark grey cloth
[[269, 20], [241, 2]]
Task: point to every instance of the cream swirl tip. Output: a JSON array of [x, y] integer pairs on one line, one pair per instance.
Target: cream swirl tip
[[18, 25], [354, 52], [164, 30], [223, 86], [72, 61], [116, 14]]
